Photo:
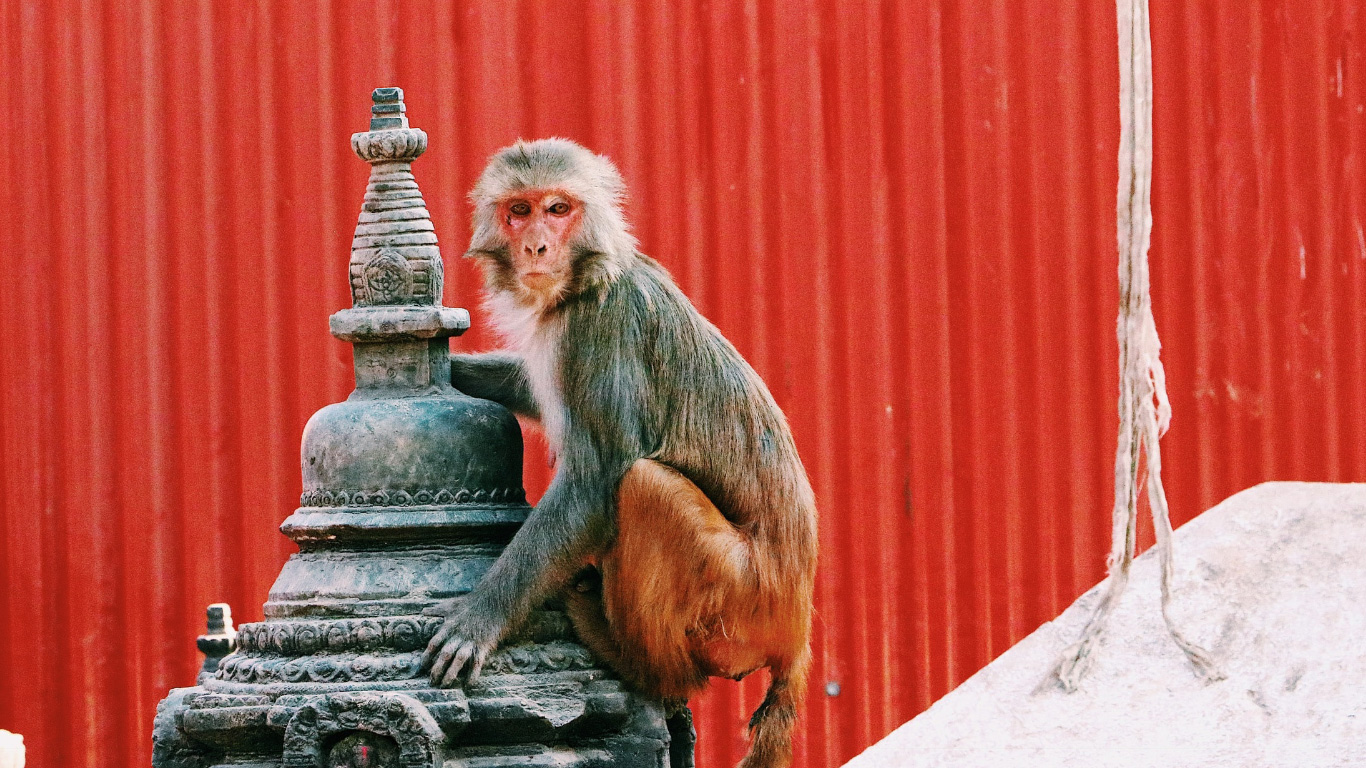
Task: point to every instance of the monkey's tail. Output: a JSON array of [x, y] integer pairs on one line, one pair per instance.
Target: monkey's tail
[[771, 726]]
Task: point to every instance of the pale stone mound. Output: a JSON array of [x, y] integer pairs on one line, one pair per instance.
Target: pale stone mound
[[1272, 581], [11, 750]]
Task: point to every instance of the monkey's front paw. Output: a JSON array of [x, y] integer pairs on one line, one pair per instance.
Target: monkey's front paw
[[465, 640]]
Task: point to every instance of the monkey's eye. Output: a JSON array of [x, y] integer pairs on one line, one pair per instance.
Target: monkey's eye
[[521, 209], [559, 209]]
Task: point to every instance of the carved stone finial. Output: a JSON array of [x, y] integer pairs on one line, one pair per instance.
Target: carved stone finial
[[220, 640], [389, 139], [388, 111]]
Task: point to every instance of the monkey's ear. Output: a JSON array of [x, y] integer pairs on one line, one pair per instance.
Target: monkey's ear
[[486, 240]]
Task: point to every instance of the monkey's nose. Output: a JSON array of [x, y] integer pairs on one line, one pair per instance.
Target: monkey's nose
[[537, 251]]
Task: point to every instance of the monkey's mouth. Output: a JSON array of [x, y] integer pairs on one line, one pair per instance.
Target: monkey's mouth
[[539, 282]]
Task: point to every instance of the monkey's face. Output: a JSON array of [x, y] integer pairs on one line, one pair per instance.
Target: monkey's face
[[540, 226]]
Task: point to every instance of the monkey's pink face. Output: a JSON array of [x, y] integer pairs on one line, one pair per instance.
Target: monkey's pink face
[[540, 225]]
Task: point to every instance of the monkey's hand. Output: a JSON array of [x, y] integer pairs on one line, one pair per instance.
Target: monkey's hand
[[465, 639]]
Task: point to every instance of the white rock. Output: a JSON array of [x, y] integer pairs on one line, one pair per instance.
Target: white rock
[[1272, 582], [11, 750]]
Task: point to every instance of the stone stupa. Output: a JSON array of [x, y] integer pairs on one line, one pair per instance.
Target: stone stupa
[[410, 491]]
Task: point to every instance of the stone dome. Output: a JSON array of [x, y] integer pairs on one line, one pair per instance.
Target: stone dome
[[437, 450]]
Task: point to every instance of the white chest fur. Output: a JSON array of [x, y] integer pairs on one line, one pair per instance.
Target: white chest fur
[[537, 341]]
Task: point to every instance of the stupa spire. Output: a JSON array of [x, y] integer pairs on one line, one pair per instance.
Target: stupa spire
[[394, 255]]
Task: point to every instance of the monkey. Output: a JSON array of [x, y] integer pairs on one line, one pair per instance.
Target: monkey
[[680, 525]]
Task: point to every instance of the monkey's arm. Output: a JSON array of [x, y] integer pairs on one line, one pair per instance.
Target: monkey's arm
[[573, 519], [605, 385], [496, 376]]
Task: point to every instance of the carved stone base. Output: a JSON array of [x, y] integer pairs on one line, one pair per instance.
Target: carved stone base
[[347, 692]]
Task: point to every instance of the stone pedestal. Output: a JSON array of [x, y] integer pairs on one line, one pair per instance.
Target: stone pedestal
[[411, 489]]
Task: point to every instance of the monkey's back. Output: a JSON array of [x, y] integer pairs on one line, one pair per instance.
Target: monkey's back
[[684, 396]]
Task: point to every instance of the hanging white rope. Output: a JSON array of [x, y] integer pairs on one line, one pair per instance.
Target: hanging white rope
[[1144, 411]]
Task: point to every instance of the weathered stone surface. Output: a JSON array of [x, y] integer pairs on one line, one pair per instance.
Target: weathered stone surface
[[410, 491], [1272, 581]]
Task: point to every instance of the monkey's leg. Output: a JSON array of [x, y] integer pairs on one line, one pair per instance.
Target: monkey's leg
[[682, 595], [677, 586], [583, 603]]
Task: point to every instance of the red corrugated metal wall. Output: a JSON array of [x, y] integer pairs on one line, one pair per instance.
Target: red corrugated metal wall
[[901, 212]]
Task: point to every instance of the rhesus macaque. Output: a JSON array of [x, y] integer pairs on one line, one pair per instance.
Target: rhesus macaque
[[680, 524]]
